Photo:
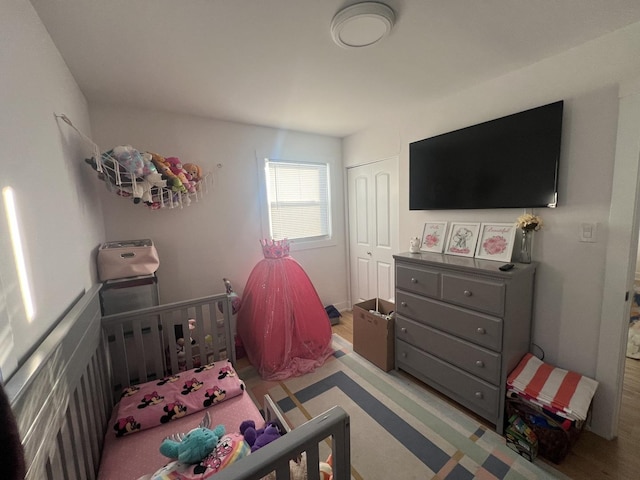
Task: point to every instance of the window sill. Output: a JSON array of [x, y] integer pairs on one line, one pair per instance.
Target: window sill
[[296, 245]]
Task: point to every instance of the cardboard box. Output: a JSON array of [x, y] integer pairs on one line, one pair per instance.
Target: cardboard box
[[373, 336]]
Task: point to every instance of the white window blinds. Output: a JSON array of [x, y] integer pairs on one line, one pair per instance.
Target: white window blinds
[[298, 198]]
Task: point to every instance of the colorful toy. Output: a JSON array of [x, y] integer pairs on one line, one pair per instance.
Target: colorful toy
[[176, 167], [257, 439], [164, 168], [195, 445], [326, 469], [147, 165], [194, 170], [129, 158]]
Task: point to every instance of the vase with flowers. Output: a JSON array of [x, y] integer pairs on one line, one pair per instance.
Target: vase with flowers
[[528, 223]]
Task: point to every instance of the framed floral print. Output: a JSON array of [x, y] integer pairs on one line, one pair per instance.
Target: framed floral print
[[434, 235], [495, 241], [462, 239]]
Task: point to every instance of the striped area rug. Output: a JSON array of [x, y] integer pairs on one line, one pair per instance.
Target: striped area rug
[[398, 430]]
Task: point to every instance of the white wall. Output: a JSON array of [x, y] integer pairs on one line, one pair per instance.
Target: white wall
[[570, 277], [41, 159], [218, 236], [637, 275]]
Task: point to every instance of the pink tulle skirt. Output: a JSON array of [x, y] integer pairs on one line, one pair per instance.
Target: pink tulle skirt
[[283, 326]]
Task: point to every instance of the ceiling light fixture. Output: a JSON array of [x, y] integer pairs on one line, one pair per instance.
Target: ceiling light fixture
[[362, 24]]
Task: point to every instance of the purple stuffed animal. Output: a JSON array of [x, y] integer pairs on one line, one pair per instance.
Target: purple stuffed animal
[[257, 439]]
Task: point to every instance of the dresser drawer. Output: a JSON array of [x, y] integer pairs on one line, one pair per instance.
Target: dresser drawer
[[470, 391], [478, 294], [417, 280], [476, 360], [473, 326]]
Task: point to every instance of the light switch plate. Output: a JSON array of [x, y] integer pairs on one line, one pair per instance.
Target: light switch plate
[[589, 232]]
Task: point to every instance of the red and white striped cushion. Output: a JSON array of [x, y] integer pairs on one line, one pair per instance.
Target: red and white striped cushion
[[565, 392]]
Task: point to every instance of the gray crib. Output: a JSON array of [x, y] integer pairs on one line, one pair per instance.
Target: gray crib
[[63, 394]]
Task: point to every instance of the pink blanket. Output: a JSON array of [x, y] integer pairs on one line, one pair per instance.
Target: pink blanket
[[155, 403], [132, 456]]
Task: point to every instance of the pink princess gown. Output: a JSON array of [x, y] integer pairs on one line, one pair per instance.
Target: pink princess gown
[[284, 327]]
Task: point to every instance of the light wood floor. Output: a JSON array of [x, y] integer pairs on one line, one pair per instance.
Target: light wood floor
[[592, 457]]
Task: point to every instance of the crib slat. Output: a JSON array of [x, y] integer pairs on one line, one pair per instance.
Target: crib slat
[[157, 346], [138, 354], [80, 423], [61, 459], [94, 376], [119, 357], [91, 435], [70, 458], [168, 332], [199, 334], [183, 319]]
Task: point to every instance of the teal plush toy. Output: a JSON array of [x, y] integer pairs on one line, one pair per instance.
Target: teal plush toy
[[195, 445]]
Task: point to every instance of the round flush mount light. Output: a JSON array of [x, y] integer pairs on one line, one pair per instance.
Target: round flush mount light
[[362, 24]]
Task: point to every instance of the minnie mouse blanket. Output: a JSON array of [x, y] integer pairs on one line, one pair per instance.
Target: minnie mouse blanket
[[153, 403]]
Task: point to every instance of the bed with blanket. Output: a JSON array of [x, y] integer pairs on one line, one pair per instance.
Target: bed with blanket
[[99, 396]]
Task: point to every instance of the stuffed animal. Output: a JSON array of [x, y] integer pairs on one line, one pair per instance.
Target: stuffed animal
[[195, 445], [147, 165], [298, 469], [257, 439], [177, 169], [129, 158], [326, 469], [194, 170], [164, 168]]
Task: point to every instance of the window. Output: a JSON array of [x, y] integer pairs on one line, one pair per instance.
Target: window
[[298, 200]]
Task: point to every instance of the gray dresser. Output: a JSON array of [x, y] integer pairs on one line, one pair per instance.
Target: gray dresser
[[462, 325]]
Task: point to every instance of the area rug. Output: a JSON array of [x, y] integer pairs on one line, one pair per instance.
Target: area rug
[[398, 429]]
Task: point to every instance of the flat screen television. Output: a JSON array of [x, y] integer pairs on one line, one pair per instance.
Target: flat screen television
[[509, 162]]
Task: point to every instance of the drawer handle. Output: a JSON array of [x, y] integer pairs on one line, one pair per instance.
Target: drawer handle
[[403, 304], [481, 331], [414, 280], [468, 293], [479, 395], [479, 363], [404, 354], [403, 330]]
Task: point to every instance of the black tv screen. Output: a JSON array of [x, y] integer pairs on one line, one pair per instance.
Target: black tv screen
[[509, 162]]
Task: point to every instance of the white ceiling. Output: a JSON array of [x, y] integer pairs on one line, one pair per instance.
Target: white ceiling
[[273, 62]]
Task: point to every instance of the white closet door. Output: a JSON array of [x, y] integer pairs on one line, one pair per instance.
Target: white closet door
[[373, 229]]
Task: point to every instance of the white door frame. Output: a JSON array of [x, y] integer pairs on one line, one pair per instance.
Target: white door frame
[[347, 206], [622, 252]]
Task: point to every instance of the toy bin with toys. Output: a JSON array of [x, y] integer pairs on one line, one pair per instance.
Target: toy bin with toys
[[554, 403]]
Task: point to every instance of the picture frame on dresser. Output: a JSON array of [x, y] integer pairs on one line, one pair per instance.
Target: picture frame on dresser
[[462, 239], [434, 235], [495, 241]]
